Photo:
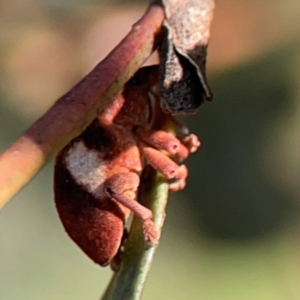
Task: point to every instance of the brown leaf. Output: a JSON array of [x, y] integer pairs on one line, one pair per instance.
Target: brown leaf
[[183, 53]]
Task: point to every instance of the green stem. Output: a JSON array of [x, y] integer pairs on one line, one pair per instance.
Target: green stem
[[127, 283]]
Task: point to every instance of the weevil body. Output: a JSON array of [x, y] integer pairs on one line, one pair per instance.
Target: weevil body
[[98, 173]]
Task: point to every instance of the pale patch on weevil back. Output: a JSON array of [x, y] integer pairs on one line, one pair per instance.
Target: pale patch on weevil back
[[86, 167]]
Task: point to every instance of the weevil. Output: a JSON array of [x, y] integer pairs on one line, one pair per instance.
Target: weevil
[[98, 173]]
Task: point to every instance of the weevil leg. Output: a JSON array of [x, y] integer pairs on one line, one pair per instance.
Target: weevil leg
[[160, 139], [188, 139], [179, 148], [122, 188], [167, 167], [191, 142], [150, 234]]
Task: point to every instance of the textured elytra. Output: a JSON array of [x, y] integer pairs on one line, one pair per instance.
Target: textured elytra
[[83, 164], [183, 51]]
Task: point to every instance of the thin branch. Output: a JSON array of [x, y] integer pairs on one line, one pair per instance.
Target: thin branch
[[128, 282], [71, 114]]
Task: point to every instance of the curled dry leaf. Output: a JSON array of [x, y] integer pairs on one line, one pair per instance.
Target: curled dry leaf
[[183, 53]]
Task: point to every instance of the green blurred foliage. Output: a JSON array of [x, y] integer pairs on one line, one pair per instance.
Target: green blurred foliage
[[231, 234], [239, 199]]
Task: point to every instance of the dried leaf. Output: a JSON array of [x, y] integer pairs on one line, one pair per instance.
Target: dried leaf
[[183, 53]]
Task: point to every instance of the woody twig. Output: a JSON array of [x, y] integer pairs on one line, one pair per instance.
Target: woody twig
[[71, 114]]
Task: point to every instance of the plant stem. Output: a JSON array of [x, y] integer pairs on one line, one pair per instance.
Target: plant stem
[[127, 283], [73, 112]]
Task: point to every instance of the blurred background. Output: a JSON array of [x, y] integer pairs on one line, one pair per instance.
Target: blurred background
[[233, 233]]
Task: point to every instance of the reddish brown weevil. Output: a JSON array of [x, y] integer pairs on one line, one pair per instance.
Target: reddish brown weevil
[[98, 173]]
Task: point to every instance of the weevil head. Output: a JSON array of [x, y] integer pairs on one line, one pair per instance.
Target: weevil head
[[141, 99]]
